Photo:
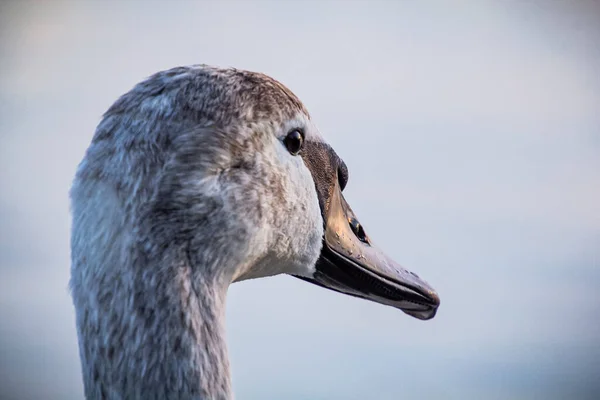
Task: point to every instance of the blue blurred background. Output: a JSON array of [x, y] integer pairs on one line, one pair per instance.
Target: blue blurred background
[[472, 134]]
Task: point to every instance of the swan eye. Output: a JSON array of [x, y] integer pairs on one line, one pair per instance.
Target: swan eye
[[358, 230], [294, 141]]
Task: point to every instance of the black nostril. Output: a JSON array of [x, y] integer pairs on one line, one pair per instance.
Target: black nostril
[[358, 230]]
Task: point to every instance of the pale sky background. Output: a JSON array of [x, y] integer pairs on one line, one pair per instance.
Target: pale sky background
[[472, 134]]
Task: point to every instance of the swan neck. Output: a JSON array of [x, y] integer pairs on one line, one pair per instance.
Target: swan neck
[[160, 333]]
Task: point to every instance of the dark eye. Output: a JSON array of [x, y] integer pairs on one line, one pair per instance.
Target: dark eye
[[342, 175], [358, 230], [294, 141]]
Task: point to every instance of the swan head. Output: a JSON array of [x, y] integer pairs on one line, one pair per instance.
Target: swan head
[[229, 166]]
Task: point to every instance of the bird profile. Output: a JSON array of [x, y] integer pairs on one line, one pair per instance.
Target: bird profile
[[196, 178]]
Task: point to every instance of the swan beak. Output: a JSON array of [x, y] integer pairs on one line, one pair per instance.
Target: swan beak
[[351, 264]]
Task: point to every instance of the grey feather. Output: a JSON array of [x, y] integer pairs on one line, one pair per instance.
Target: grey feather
[[185, 188]]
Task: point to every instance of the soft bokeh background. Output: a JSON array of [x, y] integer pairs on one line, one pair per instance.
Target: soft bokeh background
[[472, 133]]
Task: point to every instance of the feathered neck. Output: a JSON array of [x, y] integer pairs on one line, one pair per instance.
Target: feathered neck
[[152, 329]]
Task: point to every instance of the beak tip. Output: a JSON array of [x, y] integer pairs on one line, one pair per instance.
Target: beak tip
[[434, 297], [423, 315], [433, 302], [432, 314]]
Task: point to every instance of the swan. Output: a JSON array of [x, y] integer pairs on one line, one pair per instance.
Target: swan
[[198, 177]]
